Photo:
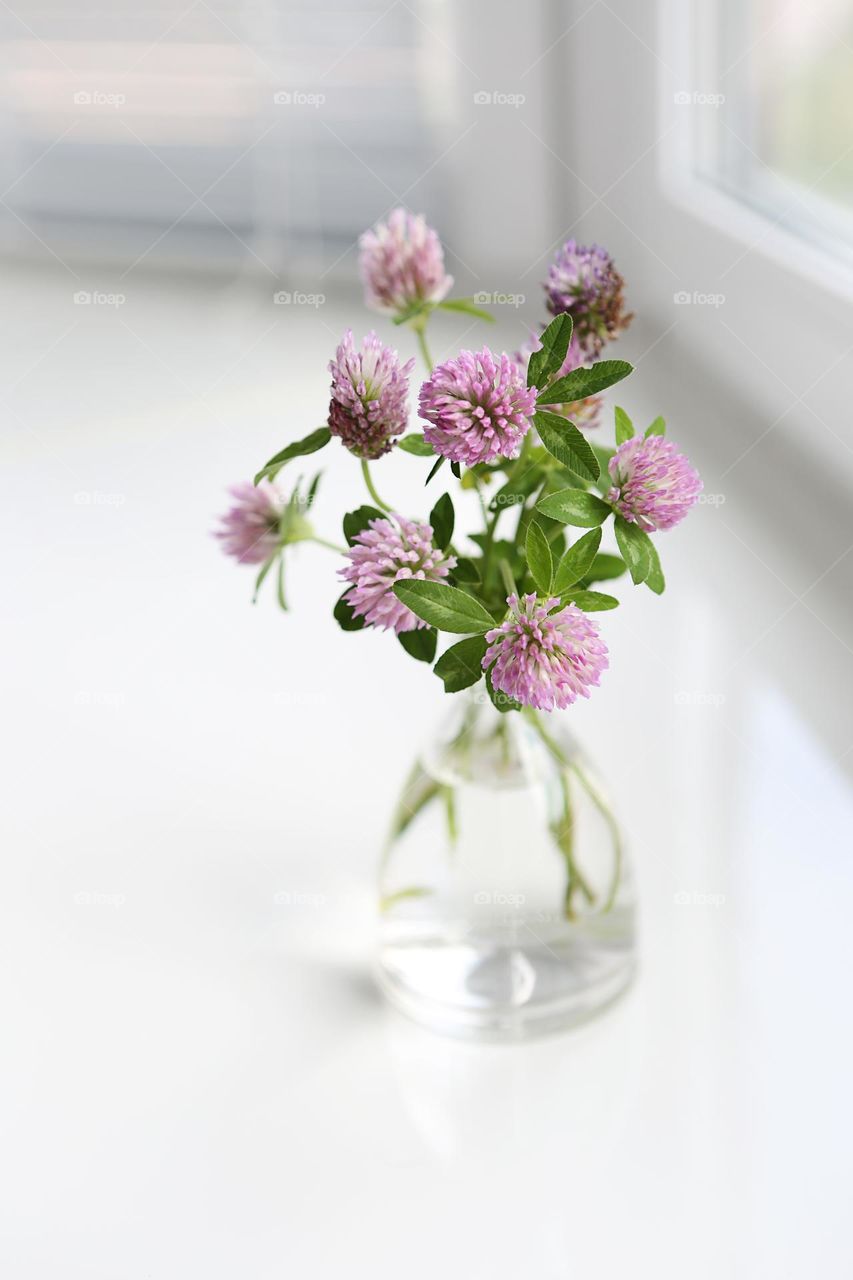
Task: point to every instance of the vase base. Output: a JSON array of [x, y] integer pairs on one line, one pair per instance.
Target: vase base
[[506, 988]]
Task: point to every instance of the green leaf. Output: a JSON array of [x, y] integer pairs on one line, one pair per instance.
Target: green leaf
[[444, 607], [576, 562], [404, 895], [456, 469], [655, 580], [279, 588], [419, 643], [433, 469], [658, 428], [265, 568], [592, 601], [420, 790], [565, 443], [461, 665], [636, 547], [345, 617], [355, 521], [500, 701], [466, 570], [466, 305], [539, 557], [581, 383], [575, 506], [604, 567], [442, 519], [316, 440], [414, 443], [545, 362], [624, 426]]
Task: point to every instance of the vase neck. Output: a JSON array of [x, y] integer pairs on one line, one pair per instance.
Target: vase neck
[[476, 741]]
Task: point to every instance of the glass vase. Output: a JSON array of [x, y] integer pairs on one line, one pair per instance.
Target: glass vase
[[506, 900]]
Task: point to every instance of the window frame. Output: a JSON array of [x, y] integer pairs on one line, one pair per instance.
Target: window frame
[[689, 41]]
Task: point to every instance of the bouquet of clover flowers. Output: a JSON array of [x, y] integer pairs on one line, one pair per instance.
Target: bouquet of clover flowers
[[512, 428]]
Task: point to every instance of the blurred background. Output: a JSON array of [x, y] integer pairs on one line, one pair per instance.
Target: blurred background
[[197, 790], [236, 151]]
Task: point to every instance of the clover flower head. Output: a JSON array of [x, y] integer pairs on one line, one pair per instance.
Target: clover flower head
[[369, 389], [251, 530], [584, 281], [387, 551], [654, 485], [478, 407], [402, 263], [545, 656]]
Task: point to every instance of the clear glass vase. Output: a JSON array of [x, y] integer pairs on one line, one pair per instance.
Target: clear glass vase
[[506, 902]]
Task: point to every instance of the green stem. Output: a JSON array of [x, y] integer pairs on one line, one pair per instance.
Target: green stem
[[564, 834], [615, 834], [420, 333], [503, 733], [368, 480], [527, 512], [487, 546], [576, 878], [506, 574], [331, 546], [521, 461], [450, 814], [491, 524]]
